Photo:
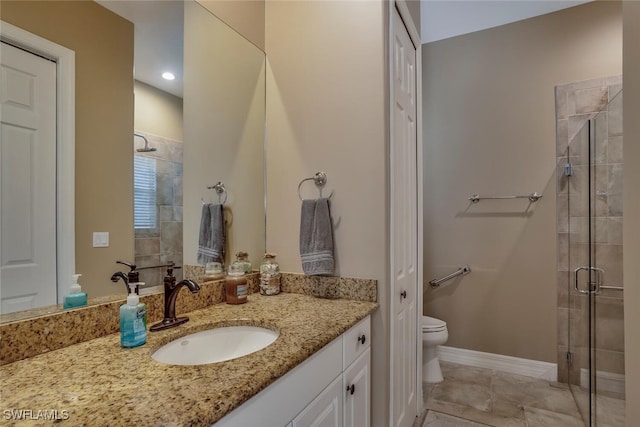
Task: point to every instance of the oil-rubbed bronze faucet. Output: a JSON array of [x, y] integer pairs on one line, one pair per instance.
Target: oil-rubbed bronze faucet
[[131, 277], [171, 290], [121, 275]]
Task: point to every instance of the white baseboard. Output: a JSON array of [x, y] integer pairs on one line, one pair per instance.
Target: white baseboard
[[605, 381], [512, 365]]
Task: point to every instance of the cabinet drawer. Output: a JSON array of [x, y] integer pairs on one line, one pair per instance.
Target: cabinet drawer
[[356, 341]]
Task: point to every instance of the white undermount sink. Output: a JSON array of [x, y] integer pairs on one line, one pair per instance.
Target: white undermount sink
[[215, 345]]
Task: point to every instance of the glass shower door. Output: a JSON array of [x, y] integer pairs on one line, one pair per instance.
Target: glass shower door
[[596, 346], [579, 358]]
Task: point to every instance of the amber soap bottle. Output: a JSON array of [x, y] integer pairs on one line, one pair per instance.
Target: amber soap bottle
[[236, 285]]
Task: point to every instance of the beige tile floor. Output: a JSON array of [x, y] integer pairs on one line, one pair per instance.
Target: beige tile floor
[[609, 411], [473, 397]]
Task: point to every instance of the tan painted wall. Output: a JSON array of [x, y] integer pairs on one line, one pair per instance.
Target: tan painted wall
[[103, 43], [414, 10], [631, 225], [223, 132], [157, 112], [489, 128], [326, 111], [247, 17]]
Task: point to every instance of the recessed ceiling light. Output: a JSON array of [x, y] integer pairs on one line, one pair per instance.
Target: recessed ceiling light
[[168, 76]]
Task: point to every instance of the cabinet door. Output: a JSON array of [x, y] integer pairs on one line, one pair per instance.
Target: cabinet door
[[357, 392], [325, 410]]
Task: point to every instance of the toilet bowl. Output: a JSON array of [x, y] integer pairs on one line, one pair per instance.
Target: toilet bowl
[[434, 333]]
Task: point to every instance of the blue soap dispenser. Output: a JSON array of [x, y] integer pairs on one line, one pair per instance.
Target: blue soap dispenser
[[133, 319], [75, 297]]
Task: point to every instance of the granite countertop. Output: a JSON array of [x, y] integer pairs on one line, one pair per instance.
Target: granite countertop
[[99, 383]]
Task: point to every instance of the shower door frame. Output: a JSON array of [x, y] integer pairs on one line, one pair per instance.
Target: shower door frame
[[580, 333], [589, 176]]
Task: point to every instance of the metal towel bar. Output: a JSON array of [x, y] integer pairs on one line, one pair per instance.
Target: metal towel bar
[[533, 197], [465, 269], [613, 288]]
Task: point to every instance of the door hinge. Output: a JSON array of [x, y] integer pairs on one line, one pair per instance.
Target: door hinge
[[568, 169], [569, 358]]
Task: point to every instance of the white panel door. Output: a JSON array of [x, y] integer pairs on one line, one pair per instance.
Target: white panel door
[[404, 218], [28, 173]]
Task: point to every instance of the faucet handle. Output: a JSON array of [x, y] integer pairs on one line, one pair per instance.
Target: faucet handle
[[132, 275], [132, 267], [171, 266], [170, 271]]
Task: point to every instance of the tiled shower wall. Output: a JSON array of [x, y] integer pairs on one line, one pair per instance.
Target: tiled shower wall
[[575, 104], [164, 243]]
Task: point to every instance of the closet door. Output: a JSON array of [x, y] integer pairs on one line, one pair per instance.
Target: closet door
[[28, 176], [404, 227]]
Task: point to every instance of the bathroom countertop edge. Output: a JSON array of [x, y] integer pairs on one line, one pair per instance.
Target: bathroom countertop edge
[[99, 383]]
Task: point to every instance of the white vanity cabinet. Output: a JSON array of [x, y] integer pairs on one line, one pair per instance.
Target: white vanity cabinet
[[326, 410], [318, 391], [357, 392], [356, 374], [346, 401]]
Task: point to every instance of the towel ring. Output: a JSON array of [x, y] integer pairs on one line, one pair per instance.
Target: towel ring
[[320, 179], [220, 190]]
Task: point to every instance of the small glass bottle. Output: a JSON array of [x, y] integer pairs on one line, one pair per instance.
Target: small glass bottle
[[236, 285], [243, 257], [214, 270], [269, 275]]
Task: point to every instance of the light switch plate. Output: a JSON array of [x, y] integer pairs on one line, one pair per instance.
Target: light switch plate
[[100, 239]]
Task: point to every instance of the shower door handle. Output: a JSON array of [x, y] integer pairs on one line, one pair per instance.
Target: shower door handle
[[594, 286]]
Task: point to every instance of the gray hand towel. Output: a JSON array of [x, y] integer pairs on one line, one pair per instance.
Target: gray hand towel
[[211, 240], [316, 238]]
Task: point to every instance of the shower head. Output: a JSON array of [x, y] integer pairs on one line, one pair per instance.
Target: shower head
[[146, 148]]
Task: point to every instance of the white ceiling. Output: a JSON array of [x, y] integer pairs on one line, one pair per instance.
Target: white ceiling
[[158, 39], [159, 28], [442, 19]]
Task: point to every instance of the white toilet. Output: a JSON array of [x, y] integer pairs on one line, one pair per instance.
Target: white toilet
[[434, 333]]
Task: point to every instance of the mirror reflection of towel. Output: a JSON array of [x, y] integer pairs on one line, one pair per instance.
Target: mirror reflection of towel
[[316, 238], [211, 240]]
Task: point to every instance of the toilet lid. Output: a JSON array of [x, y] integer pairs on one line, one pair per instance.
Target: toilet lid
[[431, 324]]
